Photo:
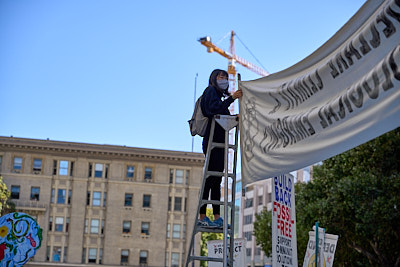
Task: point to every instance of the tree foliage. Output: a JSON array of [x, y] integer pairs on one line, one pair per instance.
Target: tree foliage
[[5, 205], [263, 231], [356, 195]]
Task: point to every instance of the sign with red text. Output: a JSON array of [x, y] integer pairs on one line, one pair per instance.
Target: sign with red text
[[326, 247], [284, 241]]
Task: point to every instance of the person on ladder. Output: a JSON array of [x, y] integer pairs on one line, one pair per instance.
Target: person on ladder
[[216, 100]]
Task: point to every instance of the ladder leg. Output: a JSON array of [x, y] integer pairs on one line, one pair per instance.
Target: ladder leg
[[201, 192], [227, 123]]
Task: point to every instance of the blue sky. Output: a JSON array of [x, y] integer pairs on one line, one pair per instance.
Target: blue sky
[[123, 72]]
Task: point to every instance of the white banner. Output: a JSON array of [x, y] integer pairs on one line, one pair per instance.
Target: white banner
[[216, 250], [326, 247], [346, 93], [284, 240]]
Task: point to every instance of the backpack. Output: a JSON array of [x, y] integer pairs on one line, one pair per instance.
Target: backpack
[[198, 123]]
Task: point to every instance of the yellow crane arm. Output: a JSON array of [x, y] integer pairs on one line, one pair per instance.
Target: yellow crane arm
[[206, 41]]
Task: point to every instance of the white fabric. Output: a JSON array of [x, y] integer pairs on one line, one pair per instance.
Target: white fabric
[[346, 93]]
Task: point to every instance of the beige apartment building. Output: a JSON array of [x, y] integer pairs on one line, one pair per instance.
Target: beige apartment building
[[104, 204]]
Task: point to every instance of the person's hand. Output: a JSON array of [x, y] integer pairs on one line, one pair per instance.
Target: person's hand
[[237, 94]]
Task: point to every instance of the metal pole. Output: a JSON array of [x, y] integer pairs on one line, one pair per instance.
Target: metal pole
[[316, 244], [226, 200], [194, 102]]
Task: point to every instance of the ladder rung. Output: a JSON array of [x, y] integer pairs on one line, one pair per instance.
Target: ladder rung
[[222, 145], [219, 174], [216, 202], [211, 230], [204, 258]]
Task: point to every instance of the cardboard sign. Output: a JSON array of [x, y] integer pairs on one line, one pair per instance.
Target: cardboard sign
[[216, 250], [326, 247]]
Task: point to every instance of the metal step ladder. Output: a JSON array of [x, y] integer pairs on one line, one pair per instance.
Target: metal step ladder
[[228, 123]]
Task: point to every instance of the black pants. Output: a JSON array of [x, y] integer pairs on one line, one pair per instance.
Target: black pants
[[213, 183]]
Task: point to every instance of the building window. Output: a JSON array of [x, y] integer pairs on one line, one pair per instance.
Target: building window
[[15, 191], [63, 167], [174, 259], [187, 177], [104, 199], [94, 226], [248, 219], [128, 200], [88, 198], [179, 176], [169, 203], [54, 167], [98, 170], [56, 254], [168, 230], [66, 224], [100, 255], [124, 256], [249, 203], [52, 196], [71, 169], [102, 226], [96, 198], [35, 193], [260, 200], [148, 172], [143, 257], [61, 196], [145, 228], [146, 201], [248, 252], [92, 255], [65, 254], [50, 224], [178, 204], [69, 196], [59, 224], [1, 161], [17, 164], [126, 227], [84, 255], [130, 172], [86, 225], [107, 166], [176, 231], [37, 165], [171, 176], [48, 253], [248, 235]]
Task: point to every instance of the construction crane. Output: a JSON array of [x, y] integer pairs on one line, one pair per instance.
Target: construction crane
[[232, 58]]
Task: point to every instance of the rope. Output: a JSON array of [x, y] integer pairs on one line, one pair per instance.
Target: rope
[[250, 52]]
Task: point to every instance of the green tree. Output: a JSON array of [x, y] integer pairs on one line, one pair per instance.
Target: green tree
[[205, 237], [5, 205], [356, 195], [263, 231]]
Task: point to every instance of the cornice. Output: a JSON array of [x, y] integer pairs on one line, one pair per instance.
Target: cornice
[[97, 151]]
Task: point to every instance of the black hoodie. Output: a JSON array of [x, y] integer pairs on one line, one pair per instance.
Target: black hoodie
[[212, 104]]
